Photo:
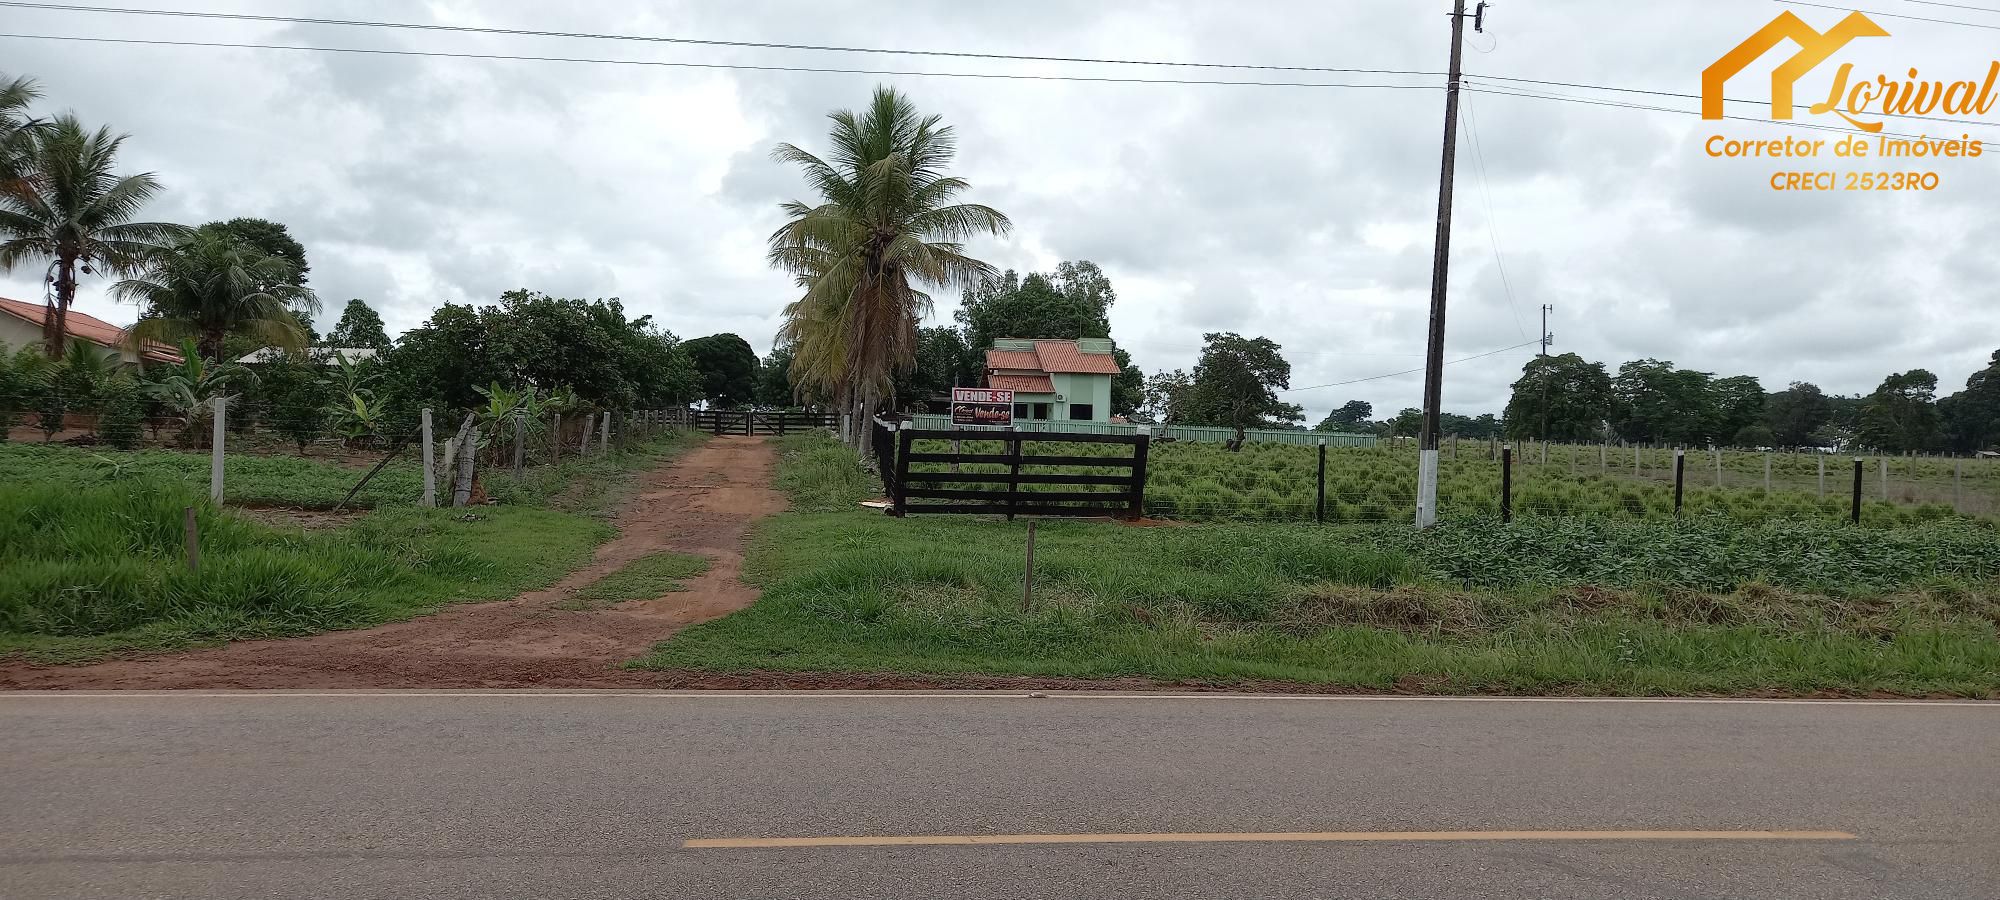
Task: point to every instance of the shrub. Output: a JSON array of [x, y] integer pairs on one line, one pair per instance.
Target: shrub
[[124, 411]]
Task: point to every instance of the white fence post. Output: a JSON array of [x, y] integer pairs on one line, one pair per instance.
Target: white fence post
[[604, 445], [430, 472], [215, 452]]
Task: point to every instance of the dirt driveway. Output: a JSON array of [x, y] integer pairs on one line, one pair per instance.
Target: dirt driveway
[[703, 503]]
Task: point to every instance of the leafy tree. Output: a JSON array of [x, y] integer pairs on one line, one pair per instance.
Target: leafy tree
[[1902, 415], [1407, 423], [886, 217], [359, 326], [1128, 387], [73, 211], [1167, 395], [1236, 385], [1797, 415], [774, 378], [1350, 416], [299, 396], [269, 238], [1739, 404], [190, 389], [1559, 398], [1072, 303], [728, 369], [124, 412], [213, 286], [943, 362], [1474, 428], [1972, 416], [1654, 402]]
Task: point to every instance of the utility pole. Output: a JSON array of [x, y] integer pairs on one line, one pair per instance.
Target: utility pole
[[1547, 338], [1427, 453]]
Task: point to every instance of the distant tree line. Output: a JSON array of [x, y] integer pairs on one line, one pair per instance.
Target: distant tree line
[[1652, 401]]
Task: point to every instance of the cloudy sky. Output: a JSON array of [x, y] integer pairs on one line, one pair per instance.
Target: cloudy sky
[[1301, 213]]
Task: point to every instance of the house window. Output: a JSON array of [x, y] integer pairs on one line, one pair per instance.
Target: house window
[[1041, 412], [1082, 412], [1020, 410]]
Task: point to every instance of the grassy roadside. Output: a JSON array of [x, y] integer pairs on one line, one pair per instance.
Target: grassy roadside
[[91, 558], [1573, 606]]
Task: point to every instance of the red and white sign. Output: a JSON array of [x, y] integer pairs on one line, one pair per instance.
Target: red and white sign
[[981, 395]]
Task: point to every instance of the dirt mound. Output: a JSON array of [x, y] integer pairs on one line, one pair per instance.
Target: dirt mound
[[703, 503]]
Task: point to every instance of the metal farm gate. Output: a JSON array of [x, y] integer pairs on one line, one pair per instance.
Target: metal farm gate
[[1068, 475]]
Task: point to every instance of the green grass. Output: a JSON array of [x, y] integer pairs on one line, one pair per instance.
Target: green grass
[[247, 480], [1587, 606], [645, 578], [92, 556]]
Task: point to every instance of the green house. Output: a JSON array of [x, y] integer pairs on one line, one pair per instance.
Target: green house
[[1054, 381]]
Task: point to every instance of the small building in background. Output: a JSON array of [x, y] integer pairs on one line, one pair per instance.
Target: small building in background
[[1054, 381], [21, 324]]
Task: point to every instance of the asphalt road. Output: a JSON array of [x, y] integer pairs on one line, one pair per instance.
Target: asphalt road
[[592, 796]]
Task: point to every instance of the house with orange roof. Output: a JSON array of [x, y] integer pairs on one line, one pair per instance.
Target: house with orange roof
[[21, 324], [1054, 381]]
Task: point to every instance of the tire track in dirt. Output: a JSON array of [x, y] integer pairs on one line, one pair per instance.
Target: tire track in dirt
[[703, 503]]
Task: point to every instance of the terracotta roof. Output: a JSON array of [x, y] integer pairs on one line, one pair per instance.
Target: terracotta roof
[[1024, 360], [1025, 384], [1063, 356], [86, 328], [1054, 357]]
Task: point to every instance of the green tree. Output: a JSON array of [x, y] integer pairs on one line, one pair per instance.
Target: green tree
[[271, 239], [1072, 303], [17, 129], [1350, 416], [213, 286], [75, 212], [774, 378], [886, 218], [1560, 398], [1797, 415], [359, 326], [1739, 404], [1653, 402], [1902, 414], [1972, 416], [1128, 387], [1236, 385], [299, 396], [1167, 396], [124, 412], [943, 362], [1409, 422], [728, 369]]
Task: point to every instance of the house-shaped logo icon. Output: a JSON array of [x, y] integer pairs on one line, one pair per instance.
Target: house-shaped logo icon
[[1814, 48]]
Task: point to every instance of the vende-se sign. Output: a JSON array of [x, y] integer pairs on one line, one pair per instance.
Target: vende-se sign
[[981, 395], [982, 406]]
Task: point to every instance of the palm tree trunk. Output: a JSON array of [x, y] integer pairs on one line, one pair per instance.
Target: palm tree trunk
[[55, 323]]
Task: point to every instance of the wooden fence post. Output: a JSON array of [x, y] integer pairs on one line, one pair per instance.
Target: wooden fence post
[[430, 500], [1139, 453], [555, 439], [604, 443], [1822, 475], [221, 405], [1028, 583], [903, 444], [1857, 490], [1506, 484], [1767, 472], [468, 456], [520, 444], [1885, 478], [1680, 479], [1319, 509], [192, 538], [589, 428], [1013, 473]]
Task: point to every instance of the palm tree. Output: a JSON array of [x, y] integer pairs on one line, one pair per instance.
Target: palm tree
[[886, 218], [70, 209], [16, 129], [213, 286]]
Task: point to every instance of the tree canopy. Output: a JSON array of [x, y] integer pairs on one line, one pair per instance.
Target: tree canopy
[[269, 238], [1559, 398], [1902, 415], [213, 286], [1236, 385], [728, 369], [359, 326], [1350, 416]]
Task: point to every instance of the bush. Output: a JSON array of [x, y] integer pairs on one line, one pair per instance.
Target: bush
[[124, 411]]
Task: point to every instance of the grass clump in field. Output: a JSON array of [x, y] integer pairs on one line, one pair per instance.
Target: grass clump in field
[[645, 578], [1553, 605]]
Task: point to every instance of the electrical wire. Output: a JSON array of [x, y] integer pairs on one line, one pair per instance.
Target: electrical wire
[[1452, 362], [1984, 9], [1567, 98], [693, 65], [1492, 231], [1653, 93], [523, 32], [1888, 15]]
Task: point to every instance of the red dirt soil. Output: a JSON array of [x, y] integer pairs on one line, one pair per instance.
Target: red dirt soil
[[703, 503]]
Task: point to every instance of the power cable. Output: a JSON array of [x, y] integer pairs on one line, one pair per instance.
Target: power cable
[[1653, 93], [525, 32], [1518, 92], [1889, 15], [1492, 231], [1415, 371], [1984, 9], [692, 65]]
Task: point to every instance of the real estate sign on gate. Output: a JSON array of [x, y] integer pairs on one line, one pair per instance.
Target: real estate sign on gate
[[981, 406]]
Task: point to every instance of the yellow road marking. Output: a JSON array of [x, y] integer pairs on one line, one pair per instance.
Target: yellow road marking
[[958, 840]]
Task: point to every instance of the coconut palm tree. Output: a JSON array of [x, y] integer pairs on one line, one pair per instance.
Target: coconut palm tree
[[212, 286], [16, 129], [886, 218], [70, 208]]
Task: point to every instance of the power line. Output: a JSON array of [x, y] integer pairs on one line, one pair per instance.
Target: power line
[[1492, 231], [1984, 9], [661, 39], [1890, 15], [692, 65], [1544, 95], [1415, 371], [1682, 96]]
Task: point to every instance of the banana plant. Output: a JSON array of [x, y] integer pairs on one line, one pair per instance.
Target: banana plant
[[191, 388], [358, 418]]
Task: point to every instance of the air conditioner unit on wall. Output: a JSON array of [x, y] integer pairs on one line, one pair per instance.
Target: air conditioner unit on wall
[[1061, 399]]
